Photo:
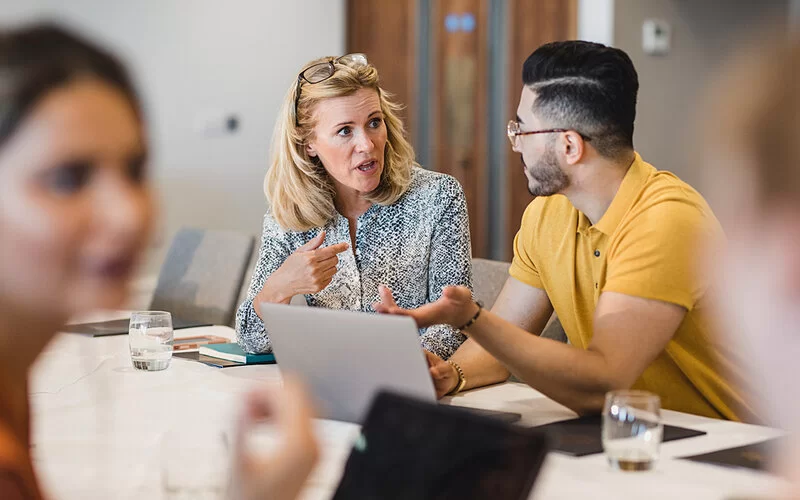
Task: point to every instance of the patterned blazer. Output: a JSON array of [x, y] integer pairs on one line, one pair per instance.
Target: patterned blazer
[[415, 246]]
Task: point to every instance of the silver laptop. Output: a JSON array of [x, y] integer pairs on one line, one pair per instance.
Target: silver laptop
[[346, 357]]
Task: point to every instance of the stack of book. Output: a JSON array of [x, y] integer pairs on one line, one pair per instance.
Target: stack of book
[[230, 354]]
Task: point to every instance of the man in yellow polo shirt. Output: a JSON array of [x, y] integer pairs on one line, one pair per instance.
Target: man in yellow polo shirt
[[609, 243]]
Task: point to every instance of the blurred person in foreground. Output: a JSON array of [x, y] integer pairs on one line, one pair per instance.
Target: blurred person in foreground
[[75, 213], [751, 141], [609, 243]]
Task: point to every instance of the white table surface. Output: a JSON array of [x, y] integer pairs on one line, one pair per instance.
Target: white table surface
[[98, 424]]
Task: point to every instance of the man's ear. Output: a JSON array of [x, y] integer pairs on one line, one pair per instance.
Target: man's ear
[[574, 147]]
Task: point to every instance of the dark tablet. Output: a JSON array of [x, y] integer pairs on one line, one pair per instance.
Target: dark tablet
[[415, 449], [583, 436], [120, 327]]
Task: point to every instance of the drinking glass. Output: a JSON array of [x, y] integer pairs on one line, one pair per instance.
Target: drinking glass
[[632, 429], [150, 339]]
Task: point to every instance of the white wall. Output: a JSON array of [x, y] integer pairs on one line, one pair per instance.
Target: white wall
[[195, 58], [596, 21]]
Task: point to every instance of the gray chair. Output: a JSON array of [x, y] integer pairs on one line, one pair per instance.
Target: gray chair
[[489, 276], [553, 330], [202, 275]]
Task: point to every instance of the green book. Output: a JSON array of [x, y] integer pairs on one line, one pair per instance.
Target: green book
[[232, 352]]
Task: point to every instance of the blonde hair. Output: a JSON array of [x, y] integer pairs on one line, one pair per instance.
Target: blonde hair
[[299, 190]]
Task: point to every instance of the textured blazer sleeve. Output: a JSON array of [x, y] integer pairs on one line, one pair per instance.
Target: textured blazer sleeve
[[450, 264], [275, 248]]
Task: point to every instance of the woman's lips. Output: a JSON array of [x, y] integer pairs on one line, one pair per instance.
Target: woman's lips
[[367, 166]]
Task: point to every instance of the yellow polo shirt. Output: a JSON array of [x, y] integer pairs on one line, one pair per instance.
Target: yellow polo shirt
[[645, 245]]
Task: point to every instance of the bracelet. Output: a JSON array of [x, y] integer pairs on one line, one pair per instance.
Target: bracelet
[[474, 318], [462, 380]]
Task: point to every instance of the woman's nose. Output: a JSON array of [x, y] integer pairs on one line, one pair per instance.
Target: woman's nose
[[364, 143], [125, 211]]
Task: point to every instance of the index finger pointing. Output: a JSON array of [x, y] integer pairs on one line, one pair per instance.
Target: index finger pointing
[[330, 251]]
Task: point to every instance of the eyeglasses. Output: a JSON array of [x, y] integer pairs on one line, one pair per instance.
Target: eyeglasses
[[322, 71], [514, 132]]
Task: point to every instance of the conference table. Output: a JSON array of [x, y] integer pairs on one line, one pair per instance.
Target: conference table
[[99, 426]]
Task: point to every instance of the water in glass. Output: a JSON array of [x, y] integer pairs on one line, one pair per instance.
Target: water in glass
[[632, 430], [150, 339]]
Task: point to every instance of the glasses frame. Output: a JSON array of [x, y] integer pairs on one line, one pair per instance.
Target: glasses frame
[[513, 132], [331, 63]]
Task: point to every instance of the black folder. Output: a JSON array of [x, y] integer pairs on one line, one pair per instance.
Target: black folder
[[755, 456], [583, 436]]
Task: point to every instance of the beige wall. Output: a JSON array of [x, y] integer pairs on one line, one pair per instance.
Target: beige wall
[[704, 33]]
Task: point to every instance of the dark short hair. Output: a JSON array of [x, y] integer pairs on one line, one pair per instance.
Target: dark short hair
[[39, 58], [587, 87]]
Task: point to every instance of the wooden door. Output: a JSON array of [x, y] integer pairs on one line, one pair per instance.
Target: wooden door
[[384, 30], [434, 56], [531, 23], [459, 82]]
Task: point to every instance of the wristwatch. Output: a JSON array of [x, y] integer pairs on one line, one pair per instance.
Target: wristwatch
[[462, 380]]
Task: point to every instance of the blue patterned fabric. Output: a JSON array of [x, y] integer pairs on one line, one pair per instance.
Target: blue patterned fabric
[[415, 246]]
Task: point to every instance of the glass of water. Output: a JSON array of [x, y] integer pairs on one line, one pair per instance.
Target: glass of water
[[632, 429], [150, 339]]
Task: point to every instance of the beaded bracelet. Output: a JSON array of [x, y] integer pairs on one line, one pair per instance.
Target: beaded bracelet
[[474, 318]]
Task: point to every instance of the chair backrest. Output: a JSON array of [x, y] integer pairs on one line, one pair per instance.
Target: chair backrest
[[202, 275], [488, 278]]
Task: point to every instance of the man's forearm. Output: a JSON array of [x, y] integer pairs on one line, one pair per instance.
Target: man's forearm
[[480, 368], [574, 377]]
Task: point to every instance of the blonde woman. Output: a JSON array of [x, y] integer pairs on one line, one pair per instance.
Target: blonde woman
[[350, 210]]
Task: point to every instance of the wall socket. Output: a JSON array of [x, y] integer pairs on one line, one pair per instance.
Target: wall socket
[[216, 124], [656, 37]]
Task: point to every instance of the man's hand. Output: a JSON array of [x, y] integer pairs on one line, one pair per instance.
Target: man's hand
[[443, 374], [455, 307]]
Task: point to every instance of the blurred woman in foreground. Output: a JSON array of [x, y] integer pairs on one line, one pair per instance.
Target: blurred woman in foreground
[[75, 214], [752, 148]]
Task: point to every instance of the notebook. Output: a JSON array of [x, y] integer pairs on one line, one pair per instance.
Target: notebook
[[193, 343], [120, 327], [755, 456], [232, 352], [582, 436], [206, 360]]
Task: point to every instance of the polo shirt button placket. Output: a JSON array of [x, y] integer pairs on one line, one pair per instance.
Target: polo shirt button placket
[[596, 283]]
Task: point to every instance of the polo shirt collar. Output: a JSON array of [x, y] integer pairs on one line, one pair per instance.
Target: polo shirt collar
[[631, 185]]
